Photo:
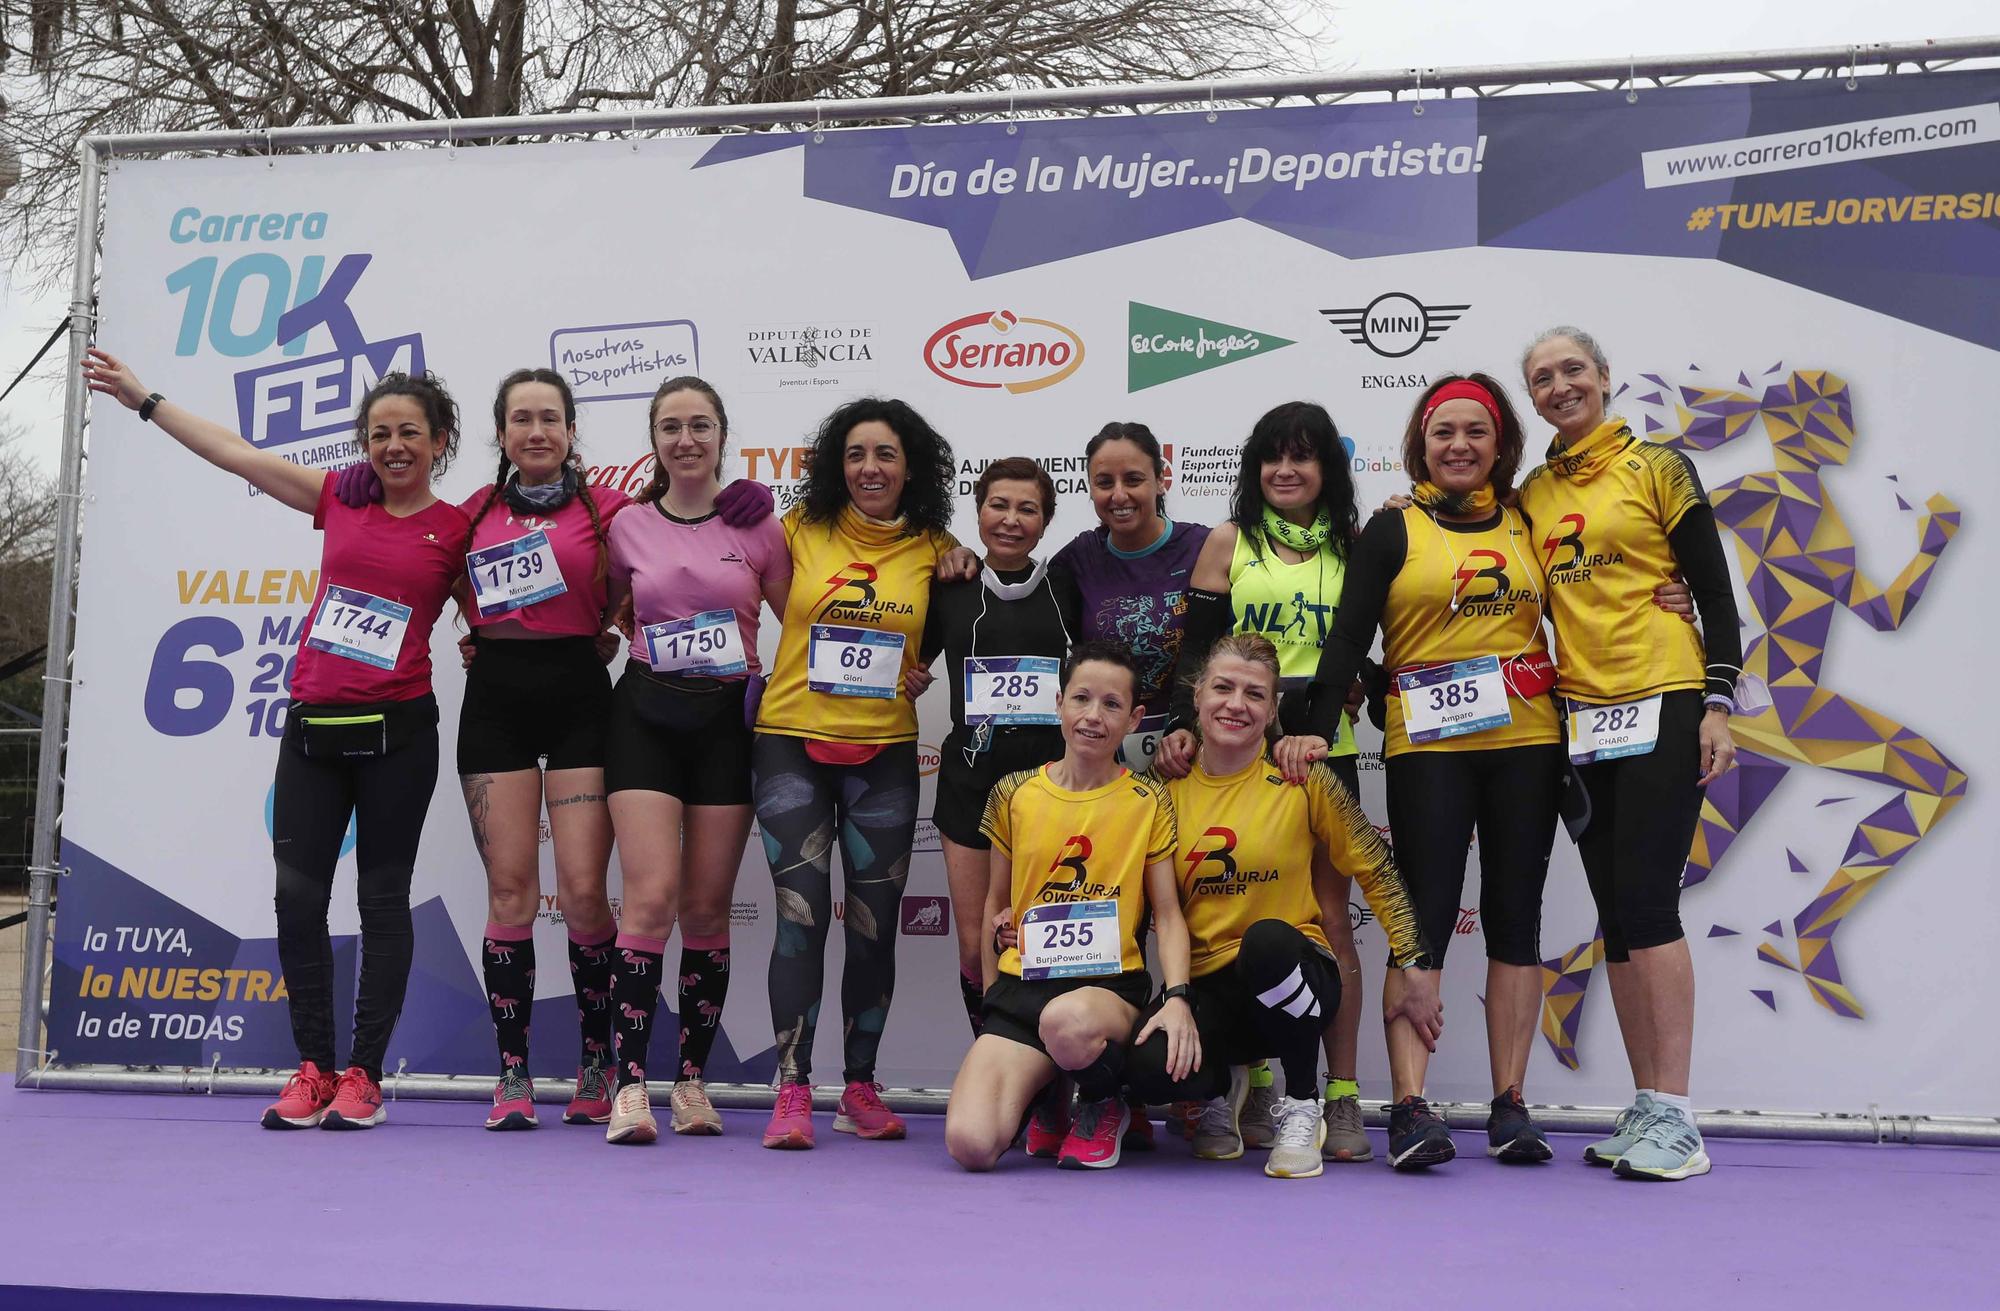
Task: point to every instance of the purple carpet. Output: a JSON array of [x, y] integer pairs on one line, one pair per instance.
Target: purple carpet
[[177, 1194]]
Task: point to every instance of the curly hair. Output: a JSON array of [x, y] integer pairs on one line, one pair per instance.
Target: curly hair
[[1304, 431], [428, 391], [927, 487]]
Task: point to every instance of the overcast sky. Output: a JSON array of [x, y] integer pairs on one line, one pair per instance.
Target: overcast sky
[[1363, 35]]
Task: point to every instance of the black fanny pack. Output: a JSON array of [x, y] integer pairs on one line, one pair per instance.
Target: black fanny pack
[[358, 732], [680, 705]]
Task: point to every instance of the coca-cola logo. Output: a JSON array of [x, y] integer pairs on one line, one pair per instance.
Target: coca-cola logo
[[630, 479], [1000, 349]]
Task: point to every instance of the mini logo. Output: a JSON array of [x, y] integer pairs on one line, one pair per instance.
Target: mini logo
[[999, 349], [1358, 915], [926, 917], [1163, 345], [1395, 323]]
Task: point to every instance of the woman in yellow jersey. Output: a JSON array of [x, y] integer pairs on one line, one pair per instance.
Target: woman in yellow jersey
[[1277, 569], [1649, 702], [1471, 741], [1082, 855], [835, 752], [1251, 886]]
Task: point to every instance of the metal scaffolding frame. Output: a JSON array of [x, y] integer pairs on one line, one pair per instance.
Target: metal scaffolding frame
[[1629, 77]]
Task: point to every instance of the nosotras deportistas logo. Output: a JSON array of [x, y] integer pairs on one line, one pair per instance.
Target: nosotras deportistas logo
[[1163, 345], [1001, 350]]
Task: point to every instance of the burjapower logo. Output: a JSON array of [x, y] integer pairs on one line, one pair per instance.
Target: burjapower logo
[[1395, 323], [1003, 351], [1163, 345]]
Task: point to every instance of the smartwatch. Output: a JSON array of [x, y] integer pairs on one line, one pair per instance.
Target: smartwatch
[[1179, 990], [147, 406]]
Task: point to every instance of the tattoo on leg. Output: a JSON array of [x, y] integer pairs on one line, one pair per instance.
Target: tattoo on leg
[[478, 805], [578, 799]]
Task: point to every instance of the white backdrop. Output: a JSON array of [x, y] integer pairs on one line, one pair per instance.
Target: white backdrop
[[765, 274]]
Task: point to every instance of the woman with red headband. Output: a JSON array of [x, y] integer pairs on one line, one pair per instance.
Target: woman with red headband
[[1471, 740]]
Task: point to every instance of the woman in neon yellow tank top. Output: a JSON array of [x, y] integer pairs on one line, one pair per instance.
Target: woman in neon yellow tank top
[[1277, 569]]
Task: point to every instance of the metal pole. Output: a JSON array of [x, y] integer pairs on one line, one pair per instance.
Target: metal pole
[[1073, 99], [43, 871]]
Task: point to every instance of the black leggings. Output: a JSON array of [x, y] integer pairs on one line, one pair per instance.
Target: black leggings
[[1274, 1000], [1437, 798], [1643, 811], [387, 796], [801, 806]]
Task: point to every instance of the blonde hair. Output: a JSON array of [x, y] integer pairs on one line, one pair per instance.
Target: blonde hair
[[1251, 648]]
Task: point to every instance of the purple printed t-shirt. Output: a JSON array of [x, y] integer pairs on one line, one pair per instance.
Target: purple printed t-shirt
[[1138, 598]]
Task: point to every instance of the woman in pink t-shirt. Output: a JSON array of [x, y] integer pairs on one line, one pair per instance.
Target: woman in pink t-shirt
[[361, 734], [689, 587]]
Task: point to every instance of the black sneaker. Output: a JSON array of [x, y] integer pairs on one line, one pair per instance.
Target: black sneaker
[[1511, 1134], [1418, 1136]]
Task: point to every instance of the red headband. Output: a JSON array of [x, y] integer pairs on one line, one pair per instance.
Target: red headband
[[1462, 390]]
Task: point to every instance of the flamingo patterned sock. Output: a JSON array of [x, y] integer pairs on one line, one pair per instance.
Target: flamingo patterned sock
[[508, 965], [704, 984], [635, 998], [590, 969]]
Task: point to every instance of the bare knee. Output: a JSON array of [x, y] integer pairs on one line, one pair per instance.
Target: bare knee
[[1071, 1041], [972, 1148], [512, 902]]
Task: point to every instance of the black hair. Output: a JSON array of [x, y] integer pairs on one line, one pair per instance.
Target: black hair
[[1301, 430], [1140, 436], [574, 460], [657, 488], [1110, 653], [927, 486], [427, 390]]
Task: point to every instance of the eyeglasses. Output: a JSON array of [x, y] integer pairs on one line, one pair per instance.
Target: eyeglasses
[[702, 430]]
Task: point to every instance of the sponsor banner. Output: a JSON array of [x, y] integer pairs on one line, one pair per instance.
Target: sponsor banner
[[1786, 277]]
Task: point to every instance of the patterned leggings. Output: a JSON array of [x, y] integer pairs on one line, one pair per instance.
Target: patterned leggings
[[803, 807]]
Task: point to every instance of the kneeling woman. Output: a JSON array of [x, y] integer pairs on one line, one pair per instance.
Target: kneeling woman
[[1265, 981], [1082, 854]]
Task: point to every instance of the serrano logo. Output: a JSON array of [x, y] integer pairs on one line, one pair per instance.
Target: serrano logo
[[1074, 853], [1573, 540], [855, 574], [1395, 323], [1219, 846], [999, 349]]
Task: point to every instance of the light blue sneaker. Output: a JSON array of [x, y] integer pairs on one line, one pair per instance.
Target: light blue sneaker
[[1668, 1147], [1624, 1132]]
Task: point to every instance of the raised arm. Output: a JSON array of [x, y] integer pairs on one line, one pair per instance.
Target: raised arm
[[270, 473]]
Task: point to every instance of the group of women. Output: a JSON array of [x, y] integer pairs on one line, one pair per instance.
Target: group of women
[[1151, 735]]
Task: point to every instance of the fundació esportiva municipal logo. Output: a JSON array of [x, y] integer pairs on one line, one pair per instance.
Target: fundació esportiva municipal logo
[[1395, 323]]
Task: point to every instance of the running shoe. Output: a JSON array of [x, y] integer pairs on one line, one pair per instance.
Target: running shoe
[[1259, 1121], [1668, 1147], [791, 1126], [1418, 1136], [862, 1113], [591, 1103], [1096, 1138], [303, 1103], [1624, 1132], [513, 1102], [1138, 1128], [1219, 1134], [632, 1116], [693, 1112], [1346, 1140], [1296, 1140], [1511, 1134], [357, 1102], [1049, 1120]]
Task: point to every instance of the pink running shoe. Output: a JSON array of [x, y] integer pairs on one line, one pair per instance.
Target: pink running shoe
[[1048, 1126], [303, 1103], [513, 1102], [357, 1102], [592, 1102], [1095, 1139], [862, 1113], [791, 1126]]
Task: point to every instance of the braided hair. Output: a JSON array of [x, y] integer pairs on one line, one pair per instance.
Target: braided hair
[[573, 463]]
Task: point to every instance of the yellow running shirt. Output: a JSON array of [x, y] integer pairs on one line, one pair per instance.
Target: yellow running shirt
[[1080, 846], [1600, 514], [1492, 571], [851, 574], [1246, 850]]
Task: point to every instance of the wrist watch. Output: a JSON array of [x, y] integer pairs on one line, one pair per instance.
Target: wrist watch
[[1179, 990], [147, 406]]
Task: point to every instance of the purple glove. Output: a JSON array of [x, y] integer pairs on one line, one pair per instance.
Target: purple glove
[[745, 502], [357, 486], [753, 697]]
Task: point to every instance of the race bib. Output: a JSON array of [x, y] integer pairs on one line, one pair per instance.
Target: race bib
[[358, 626], [1139, 748], [1608, 732], [514, 575], [853, 661], [1011, 690], [1070, 940], [1467, 696], [709, 644]]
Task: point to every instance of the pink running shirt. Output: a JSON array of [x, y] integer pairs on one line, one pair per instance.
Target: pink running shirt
[[678, 570]]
